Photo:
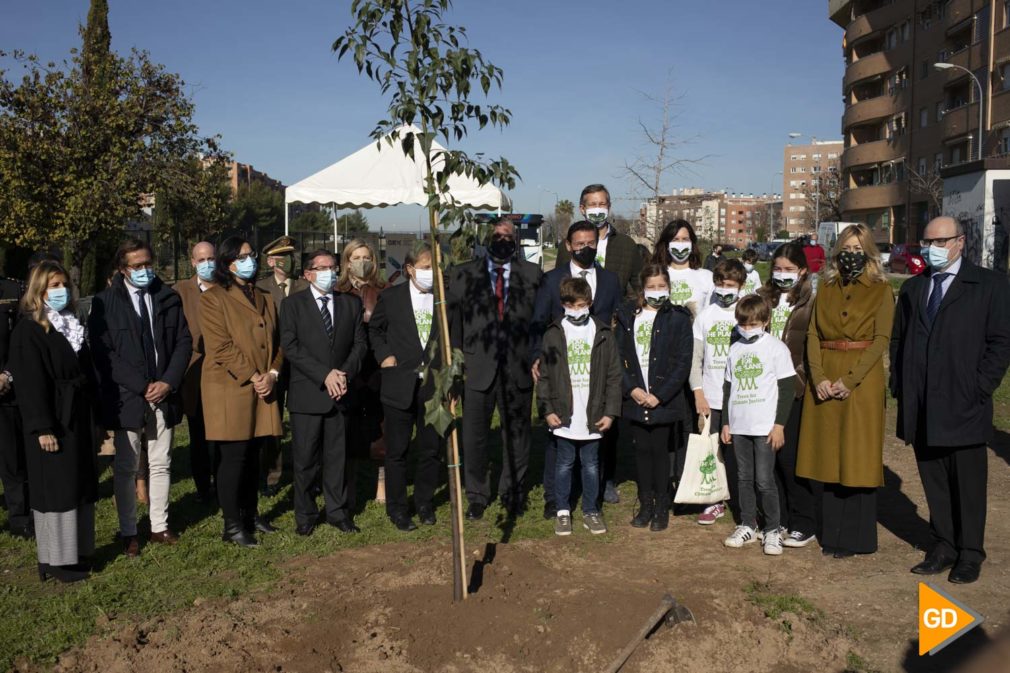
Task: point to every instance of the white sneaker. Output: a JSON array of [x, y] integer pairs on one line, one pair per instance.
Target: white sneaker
[[773, 543], [782, 533], [797, 539], [741, 536]]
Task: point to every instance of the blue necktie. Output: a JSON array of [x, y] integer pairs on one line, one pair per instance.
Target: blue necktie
[[324, 310], [935, 296]]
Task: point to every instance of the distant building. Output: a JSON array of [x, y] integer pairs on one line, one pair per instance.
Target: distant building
[[802, 167], [244, 174], [715, 216]]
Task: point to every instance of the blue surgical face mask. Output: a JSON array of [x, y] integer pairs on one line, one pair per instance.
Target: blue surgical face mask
[[205, 269], [245, 268], [936, 257], [57, 298], [325, 280], [141, 277]]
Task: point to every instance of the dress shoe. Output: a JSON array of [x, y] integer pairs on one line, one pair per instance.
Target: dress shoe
[[165, 537], [270, 490], [550, 511], [23, 531], [843, 553], [65, 574], [933, 564], [305, 529], [965, 572], [263, 526], [345, 526], [514, 509], [475, 512], [235, 533], [426, 515], [403, 523], [131, 546], [828, 551], [610, 494]]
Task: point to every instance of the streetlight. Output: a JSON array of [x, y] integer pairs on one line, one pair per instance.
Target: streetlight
[[981, 97]]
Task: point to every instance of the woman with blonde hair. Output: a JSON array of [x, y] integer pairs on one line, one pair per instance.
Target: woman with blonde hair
[[53, 377], [359, 275], [842, 429]]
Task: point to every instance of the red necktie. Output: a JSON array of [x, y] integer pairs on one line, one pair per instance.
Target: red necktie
[[499, 291]]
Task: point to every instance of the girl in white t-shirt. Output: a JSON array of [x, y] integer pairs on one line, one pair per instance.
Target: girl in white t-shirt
[[677, 249]]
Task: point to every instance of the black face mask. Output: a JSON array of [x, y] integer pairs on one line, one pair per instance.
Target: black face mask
[[585, 257], [851, 264], [501, 250]]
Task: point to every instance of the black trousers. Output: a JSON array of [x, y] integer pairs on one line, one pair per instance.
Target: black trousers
[[201, 461], [653, 447], [850, 519], [514, 407], [271, 460], [954, 479], [797, 504], [608, 456], [13, 469], [319, 448], [237, 477], [400, 423]]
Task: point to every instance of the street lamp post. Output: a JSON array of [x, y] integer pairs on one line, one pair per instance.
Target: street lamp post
[[981, 100]]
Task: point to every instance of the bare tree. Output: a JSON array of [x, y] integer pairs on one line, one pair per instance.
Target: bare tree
[[823, 197], [665, 147], [929, 184]]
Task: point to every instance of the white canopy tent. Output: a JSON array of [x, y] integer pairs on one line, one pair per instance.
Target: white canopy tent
[[380, 175]]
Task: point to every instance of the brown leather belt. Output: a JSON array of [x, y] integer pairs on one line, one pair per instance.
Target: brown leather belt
[[846, 345]]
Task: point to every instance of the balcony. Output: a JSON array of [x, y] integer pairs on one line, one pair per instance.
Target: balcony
[[972, 57], [873, 153], [873, 197], [874, 108], [881, 18], [958, 11], [880, 63], [960, 121]]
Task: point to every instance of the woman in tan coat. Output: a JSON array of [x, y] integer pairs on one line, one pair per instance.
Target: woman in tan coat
[[241, 365], [842, 431]]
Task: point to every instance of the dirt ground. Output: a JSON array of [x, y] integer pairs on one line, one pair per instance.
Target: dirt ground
[[572, 604]]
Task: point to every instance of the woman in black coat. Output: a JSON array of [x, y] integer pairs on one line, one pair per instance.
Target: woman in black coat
[[656, 344], [54, 379]]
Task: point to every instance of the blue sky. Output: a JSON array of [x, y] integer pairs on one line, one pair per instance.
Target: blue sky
[[263, 77]]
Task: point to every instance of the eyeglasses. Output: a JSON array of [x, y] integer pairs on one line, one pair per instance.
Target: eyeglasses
[[248, 255], [938, 242], [140, 267], [323, 268], [583, 246]]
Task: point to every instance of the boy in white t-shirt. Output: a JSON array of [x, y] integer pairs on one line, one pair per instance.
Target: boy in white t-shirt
[[579, 392], [753, 282], [713, 332], [757, 399]]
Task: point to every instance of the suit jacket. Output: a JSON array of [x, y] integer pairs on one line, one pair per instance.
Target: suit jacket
[[240, 339], [118, 349], [623, 259], [943, 376], [10, 295], [485, 341], [270, 286], [312, 354], [548, 308], [189, 291], [393, 331]]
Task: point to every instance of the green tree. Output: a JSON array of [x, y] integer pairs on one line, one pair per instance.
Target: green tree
[[564, 212], [258, 213], [437, 82], [352, 224], [312, 220]]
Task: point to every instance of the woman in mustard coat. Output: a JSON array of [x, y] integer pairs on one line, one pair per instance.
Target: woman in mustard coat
[[240, 368], [842, 431]]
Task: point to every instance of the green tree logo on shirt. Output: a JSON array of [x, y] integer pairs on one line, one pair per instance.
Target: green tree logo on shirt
[[579, 353], [707, 469], [747, 369], [718, 338], [680, 292], [423, 320], [748, 288], [643, 337], [780, 315]]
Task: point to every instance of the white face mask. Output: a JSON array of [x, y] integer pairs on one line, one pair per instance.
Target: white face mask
[[424, 279], [597, 216], [750, 333], [785, 279], [577, 316], [680, 251], [748, 266], [726, 296], [657, 296]]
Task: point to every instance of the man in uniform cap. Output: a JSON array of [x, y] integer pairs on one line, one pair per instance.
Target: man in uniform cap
[[281, 283]]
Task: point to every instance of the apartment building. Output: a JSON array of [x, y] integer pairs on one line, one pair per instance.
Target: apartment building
[[803, 167]]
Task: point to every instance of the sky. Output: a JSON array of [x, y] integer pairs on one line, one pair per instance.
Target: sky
[[263, 77]]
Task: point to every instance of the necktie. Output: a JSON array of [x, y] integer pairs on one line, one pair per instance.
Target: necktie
[[583, 274], [324, 311], [935, 296], [499, 291], [284, 288], [147, 337]]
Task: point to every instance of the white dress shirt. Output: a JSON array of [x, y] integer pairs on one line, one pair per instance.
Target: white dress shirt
[[491, 266], [316, 294], [945, 284], [590, 276], [134, 293]]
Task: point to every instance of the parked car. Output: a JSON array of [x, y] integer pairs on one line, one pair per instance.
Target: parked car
[[906, 258], [885, 255]]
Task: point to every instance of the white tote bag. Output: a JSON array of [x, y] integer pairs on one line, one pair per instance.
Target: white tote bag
[[704, 479]]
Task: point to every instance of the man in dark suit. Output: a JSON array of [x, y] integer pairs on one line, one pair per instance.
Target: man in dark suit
[[491, 303], [323, 337], [615, 252], [141, 346], [13, 470], [949, 352], [280, 284], [402, 330]]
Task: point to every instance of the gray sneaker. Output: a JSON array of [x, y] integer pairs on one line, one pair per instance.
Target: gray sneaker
[[594, 523], [563, 524]]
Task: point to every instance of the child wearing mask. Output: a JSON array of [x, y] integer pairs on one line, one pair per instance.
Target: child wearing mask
[[753, 282], [677, 249]]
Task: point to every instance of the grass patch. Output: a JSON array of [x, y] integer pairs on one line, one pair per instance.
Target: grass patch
[[783, 608], [856, 664]]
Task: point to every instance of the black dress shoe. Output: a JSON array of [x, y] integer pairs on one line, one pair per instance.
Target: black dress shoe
[[475, 512], [345, 526], [843, 553], [933, 564], [235, 533], [263, 526], [965, 572], [23, 531], [828, 551], [426, 515], [403, 523], [270, 491], [64, 574], [305, 529]]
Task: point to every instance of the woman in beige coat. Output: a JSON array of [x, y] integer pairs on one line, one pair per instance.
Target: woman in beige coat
[[241, 365], [842, 431]]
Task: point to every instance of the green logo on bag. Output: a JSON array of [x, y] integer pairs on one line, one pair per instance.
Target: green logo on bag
[[718, 338], [680, 292], [707, 469], [643, 337], [579, 353], [747, 369]]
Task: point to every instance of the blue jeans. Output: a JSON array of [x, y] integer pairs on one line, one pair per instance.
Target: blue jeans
[[589, 456]]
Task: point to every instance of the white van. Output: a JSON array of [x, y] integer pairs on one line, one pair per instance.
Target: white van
[[827, 233]]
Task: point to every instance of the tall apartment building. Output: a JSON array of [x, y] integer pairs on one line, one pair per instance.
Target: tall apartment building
[[746, 219], [244, 174], [802, 167], [906, 118], [738, 219]]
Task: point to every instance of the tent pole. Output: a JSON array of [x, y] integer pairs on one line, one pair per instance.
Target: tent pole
[[333, 214], [285, 217]]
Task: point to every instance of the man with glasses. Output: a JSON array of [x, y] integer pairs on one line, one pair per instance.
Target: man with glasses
[[141, 345], [949, 352]]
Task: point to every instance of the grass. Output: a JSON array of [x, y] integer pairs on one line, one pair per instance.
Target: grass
[[783, 608]]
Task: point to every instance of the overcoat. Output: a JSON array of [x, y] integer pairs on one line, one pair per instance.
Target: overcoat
[[189, 292]]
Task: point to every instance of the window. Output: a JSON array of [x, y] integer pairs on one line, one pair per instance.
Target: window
[[981, 31], [834, 155], [906, 30], [938, 161], [1004, 75], [923, 117], [1006, 13], [1004, 141], [955, 154], [815, 169], [942, 56], [924, 68], [939, 111], [816, 157], [794, 157], [922, 165], [942, 9], [896, 126], [794, 183], [891, 39]]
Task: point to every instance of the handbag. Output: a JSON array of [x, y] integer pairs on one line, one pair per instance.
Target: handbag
[[704, 479]]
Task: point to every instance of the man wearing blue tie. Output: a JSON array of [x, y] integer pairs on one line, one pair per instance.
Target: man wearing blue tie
[[949, 352]]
